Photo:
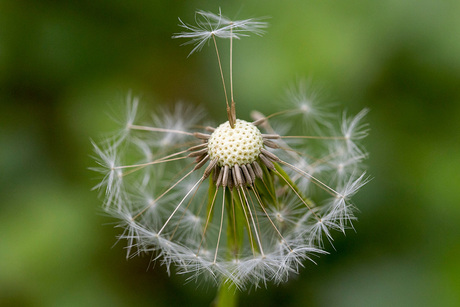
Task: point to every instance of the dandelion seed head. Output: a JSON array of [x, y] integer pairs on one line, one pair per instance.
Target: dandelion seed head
[[243, 202]]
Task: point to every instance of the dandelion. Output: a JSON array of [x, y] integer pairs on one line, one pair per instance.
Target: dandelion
[[243, 202]]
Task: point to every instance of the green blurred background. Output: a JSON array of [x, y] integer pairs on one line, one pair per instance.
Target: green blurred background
[[65, 65]]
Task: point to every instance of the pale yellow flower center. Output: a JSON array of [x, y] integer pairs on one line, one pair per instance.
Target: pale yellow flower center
[[240, 145]]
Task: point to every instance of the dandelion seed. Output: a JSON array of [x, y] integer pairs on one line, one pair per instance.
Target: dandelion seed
[[244, 201], [209, 26]]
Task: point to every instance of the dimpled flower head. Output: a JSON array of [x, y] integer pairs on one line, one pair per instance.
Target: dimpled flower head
[[244, 201]]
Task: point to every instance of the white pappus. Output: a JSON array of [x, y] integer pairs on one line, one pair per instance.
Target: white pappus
[[245, 201]]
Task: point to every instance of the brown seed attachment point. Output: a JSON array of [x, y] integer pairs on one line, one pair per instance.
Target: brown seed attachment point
[[260, 121], [271, 136], [238, 175], [257, 170], [201, 163], [220, 177], [271, 144], [269, 155], [225, 176], [246, 174], [251, 172], [209, 169], [266, 162], [198, 153], [198, 147], [202, 136]]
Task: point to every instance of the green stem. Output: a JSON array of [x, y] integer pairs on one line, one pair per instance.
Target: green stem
[[227, 295]]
